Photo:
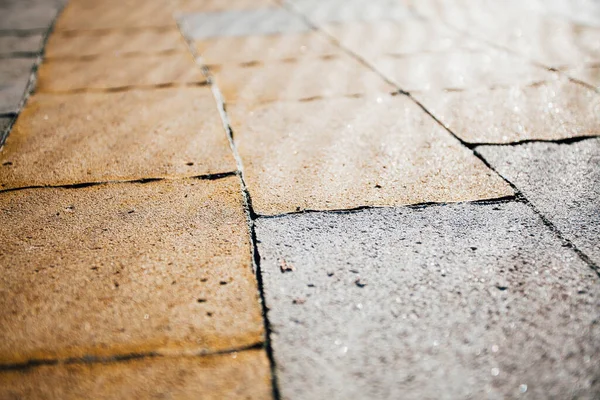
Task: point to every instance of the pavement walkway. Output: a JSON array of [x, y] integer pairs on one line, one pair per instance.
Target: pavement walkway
[[305, 199]]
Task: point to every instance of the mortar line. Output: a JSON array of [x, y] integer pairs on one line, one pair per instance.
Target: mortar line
[[250, 214]]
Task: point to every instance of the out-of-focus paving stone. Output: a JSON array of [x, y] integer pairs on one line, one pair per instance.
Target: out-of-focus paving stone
[[552, 110], [243, 375], [117, 42], [219, 5], [14, 77], [246, 49], [562, 181], [126, 268], [4, 124], [20, 44], [446, 302], [589, 75], [323, 12], [26, 14], [458, 69], [261, 21], [350, 152], [99, 137], [111, 72], [304, 78]]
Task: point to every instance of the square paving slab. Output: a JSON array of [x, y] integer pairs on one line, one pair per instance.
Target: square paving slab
[[119, 72], [345, 153], [11, 44], [129, 268], [14, 77], [445, 302], [99, 137], [563, 183], [557, 109], [243, 375], [27, 14]]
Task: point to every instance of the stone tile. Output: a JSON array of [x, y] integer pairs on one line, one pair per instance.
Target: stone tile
[[131, 135], [261, 21], [20, 44], [351, 152], [589, 75], [246, 49], [243, 375], [111, 72], [563, 183], [27, 14], [117, 42], [14, 77], [304, 78], [553, 110], [324, 12], [4, 124], [458, 69], [445, 302], [126, 268], [370, 39], [187, 6]]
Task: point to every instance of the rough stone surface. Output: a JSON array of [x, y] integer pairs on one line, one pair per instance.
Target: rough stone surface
[[111, 72], [26, 14], [458, 69], [300, 79], [265, 47], [552, 110], [14, 77], [126, 269], [445, 302], [562, 181], [4, 124], [243, 375], [11, 44], [350, 152], [114, 43], [324, 12], [262, 21], [589, 75], [99, 137], [186, 6]]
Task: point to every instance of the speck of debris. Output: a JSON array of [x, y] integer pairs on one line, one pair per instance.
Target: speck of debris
[[189, 163], [299, 301], [130, 211], [377, 186], [285, 267], [360, 282], [201, 300], [311, 285], [501, 287], [354, 271], [7, 163], [330, 273]]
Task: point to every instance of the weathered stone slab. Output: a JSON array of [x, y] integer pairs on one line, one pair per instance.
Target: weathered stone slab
[[14, 77], [27, 14], [11, 44], [324, 12]]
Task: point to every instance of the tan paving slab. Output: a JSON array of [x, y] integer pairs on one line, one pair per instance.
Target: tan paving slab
[[588, 74], [242, 375], [458, 69], [552, 110], [119, 42], [350, 152], [297, 79], [100, 137], [111, 72], [222, 50], [126, 268]]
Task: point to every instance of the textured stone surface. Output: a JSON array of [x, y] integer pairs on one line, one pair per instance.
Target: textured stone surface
[[119, 42], [303, 78], [183, 6], [99, 137], [112, 72], [458, 69], [11, 44], [26, 14], [553, 110], [126, 268], [445, 302], [14, 77], [351, 152], [243, 375], [260, 21], [4, 124], [323, 12], [562, 181], [265, 47], [589, 75]]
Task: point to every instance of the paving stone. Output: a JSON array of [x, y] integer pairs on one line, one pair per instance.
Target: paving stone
[[27, 14], [11, 44], [553, 110], [243, 375], [444, 302], [131, 135], [115, 43], [4, 124], [563, 183], [350, 152], [303, 78], [246, 49], [220, 5], [14, 78], [261, 21], [458, 69], [323, 12], [126, 268], [387, 37], [111, 72], [589, 75]]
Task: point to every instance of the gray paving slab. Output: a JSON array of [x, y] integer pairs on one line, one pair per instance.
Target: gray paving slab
[[27, 14], [261, 21], [334, 11], [4, 124], [14, 77], [12, 44], [443, 302], [563, 183]]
